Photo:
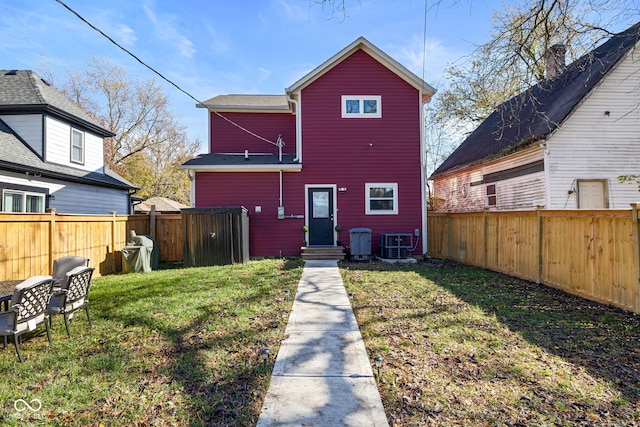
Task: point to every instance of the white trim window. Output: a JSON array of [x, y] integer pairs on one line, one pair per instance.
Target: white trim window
[[361, 106], [22, 201], [77, 146], [381, 198]]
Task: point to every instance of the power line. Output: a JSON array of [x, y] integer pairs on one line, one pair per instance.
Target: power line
[[161, 76]]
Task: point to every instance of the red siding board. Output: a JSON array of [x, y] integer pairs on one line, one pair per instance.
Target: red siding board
[[229, 138], [343, 152]]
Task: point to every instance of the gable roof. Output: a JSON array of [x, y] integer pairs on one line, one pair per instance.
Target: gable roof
[[538, 111], [276, 103], [23, 91], [377, 54], [16, 156]]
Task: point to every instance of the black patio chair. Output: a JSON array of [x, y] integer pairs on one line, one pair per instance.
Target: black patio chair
[[72, 295], [28, 310], [62, 266]]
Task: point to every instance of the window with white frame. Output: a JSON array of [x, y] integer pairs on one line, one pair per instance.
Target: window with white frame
[[361, 106], [381, 199], [77, 146], [22, 201]]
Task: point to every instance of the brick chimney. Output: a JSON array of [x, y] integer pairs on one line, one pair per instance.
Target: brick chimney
[[554, 57]]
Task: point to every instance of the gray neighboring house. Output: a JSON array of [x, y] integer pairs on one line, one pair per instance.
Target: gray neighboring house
[[52, 153]]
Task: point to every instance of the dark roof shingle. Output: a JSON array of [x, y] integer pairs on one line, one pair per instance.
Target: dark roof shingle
[[538, 111]]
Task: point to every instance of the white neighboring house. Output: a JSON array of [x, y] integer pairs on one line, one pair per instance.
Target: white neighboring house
[[52, 153], [561, 144]]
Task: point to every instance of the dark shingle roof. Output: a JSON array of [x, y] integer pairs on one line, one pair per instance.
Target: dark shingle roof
[[218, 159], [538, 111], [16, 156], [23, 91]]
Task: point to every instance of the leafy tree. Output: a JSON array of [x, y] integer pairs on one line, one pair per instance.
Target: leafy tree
[[150, 143]]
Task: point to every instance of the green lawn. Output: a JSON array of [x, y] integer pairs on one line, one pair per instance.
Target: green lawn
[[171, 347], [465, 346], [461, 346]]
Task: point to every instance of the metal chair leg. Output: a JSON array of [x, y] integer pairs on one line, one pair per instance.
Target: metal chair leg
[[16, 338], [86, 308], [48, 333], [66, 324]]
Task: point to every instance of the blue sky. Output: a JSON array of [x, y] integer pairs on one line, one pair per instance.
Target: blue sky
[[213, 47]]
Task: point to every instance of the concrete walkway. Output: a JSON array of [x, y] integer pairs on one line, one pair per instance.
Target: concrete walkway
[[322, 375]]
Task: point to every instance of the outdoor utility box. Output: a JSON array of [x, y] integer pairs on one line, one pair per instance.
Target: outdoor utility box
[[395, 245], [360, 244], [215, 236]]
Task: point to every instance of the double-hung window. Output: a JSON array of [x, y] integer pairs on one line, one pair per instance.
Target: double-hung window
[[22, 201], [381, 199], [361, 106], [77, 146], [492, 195]]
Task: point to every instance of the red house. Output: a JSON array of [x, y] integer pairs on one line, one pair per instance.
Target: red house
[[343, 146]]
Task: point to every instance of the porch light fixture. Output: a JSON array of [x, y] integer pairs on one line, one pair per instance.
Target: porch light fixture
[[378, 362], [342, 190], [264, 354]]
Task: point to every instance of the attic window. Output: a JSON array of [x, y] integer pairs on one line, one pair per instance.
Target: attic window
[[361, 106]]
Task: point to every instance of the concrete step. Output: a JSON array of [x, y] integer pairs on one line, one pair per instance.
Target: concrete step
[[322, 252]]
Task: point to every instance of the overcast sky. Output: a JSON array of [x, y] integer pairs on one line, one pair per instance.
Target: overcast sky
[[213, 47]]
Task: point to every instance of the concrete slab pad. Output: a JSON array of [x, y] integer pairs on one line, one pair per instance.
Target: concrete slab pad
[[322, 401], [329, 353], [322, 317]]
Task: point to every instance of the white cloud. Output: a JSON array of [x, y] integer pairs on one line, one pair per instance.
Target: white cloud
[[125, 34], [291, 10], [430, 58], [166, 29]]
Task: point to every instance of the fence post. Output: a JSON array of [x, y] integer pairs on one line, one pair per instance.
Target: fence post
[[53, 239], [449, 234], [113, 241], [484, 238], [540, 242], [152, 222], [636, 253]]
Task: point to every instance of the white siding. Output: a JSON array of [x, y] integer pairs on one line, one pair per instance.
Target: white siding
[[522, 192], [28, 127], [601, 140], [59, 146]]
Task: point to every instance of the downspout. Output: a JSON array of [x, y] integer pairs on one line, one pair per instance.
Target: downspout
[[192, 188], [547, 172], [298, 157], [423, 175]]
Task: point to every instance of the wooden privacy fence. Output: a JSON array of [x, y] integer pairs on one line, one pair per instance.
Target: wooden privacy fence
[[591, 253], [30, 242]]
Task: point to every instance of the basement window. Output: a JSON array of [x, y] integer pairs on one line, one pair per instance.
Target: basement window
[[361, 106]]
